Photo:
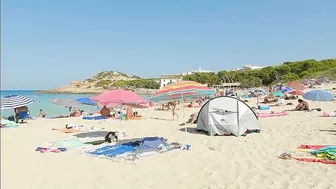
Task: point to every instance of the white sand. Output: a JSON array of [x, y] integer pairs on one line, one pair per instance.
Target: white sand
[[212, 162]]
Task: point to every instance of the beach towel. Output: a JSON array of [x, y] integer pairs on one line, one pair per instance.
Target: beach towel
[[328, 152], [329, 114], [92, 134], [65, 130], [70, 144], [112, 151], [55, 150], [313, 147], [321, 154], [272, 114], [140, 146], [8, 124], [152, 143], [94, 117], [316, 160]]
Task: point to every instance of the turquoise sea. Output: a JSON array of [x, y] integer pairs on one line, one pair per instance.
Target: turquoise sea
[[42, 101]]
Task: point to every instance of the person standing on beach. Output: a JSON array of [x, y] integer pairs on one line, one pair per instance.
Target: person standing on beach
[[174, 105]]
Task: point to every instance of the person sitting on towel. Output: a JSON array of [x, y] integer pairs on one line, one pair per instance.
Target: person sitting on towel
[[105, 112], [303, 105], [75, 113]]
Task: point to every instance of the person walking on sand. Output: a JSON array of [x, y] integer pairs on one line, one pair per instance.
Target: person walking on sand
[[174, 107]]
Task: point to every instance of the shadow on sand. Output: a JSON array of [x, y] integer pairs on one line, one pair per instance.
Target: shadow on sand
[[331, 131], [162, 119], [193, 130], [328, 130]]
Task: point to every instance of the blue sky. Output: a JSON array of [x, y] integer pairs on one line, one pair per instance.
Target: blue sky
[[45, 44]]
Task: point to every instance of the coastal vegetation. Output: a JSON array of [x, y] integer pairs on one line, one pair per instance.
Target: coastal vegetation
[[287, 71], [138, 83]]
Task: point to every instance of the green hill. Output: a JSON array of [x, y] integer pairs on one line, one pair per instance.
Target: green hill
[[285, 72], [330, 74]]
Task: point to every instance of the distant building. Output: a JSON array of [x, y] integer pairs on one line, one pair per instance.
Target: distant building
[[166, 79], [249, 67], [197, 71]]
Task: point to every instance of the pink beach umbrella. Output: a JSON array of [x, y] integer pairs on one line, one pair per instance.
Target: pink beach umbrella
[[115, 104], [119, 97]]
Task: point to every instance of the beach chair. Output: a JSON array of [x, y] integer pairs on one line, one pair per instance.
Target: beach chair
[[24, 115]]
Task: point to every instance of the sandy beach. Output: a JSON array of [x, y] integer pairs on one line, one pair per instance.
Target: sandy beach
[[212, 162]]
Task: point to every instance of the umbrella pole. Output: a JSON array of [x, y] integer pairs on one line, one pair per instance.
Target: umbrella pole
[[318, 100], [121, 115], [185, 122]]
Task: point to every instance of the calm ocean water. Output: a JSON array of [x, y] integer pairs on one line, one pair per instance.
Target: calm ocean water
[[42, 101]]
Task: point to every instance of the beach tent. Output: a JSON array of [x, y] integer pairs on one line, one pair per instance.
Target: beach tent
[[227, 115]]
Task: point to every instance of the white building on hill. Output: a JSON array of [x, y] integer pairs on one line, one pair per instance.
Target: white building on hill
[[249, 67], [166, 79], [197, 71]]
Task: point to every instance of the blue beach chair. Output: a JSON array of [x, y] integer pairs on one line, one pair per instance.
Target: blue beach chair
[[24, 115]]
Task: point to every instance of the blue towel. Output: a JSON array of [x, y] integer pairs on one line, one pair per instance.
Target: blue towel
[[94, 117], [152, 143], [112, 151], [99, 117], [147, 144]]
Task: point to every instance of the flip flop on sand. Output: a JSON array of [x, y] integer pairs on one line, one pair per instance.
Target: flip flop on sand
[[285, 156]]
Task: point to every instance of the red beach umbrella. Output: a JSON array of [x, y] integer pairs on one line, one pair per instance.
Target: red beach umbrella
[[296, 92]]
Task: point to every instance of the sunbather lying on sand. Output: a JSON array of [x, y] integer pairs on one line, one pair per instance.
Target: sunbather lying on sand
[[269, 99]]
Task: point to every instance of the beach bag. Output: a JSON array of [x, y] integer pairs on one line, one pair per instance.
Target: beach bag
[[111, 137], [11, 118]]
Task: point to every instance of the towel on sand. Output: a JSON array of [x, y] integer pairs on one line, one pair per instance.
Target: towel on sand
[[8, 124], [328, 152], [70, 144], [144, 145]]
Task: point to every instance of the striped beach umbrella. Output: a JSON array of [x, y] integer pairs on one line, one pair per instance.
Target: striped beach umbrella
[[318, 95], [182, 89], [15, 101], [67, 102]]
